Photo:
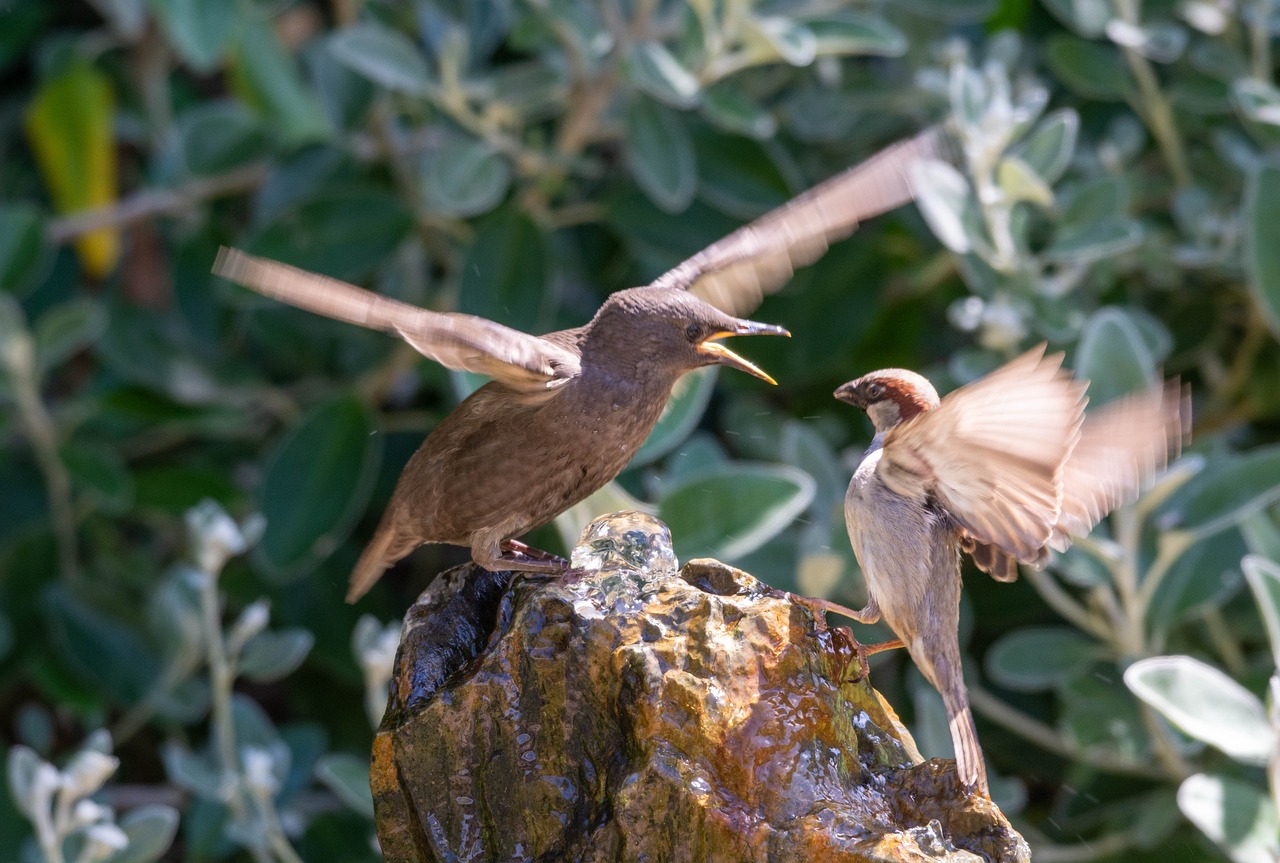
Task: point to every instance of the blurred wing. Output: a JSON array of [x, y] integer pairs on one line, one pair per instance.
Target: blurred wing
[[523, 362], [1121, 447], [992, 453], [734, 274]]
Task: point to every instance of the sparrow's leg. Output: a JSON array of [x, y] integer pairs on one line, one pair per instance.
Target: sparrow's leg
[[869, 614], [517, 557], [865, 650]]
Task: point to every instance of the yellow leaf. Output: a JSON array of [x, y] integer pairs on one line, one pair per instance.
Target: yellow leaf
[[69, 126]]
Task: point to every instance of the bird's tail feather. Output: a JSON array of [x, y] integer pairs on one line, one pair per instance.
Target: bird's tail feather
[[964, 737], [386, 547]]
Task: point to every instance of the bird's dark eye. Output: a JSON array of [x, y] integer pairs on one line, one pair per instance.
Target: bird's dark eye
[[875, 389], [693, 331]]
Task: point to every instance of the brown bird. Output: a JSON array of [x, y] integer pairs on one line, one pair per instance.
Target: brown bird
[[1005, 469], [566, 411]]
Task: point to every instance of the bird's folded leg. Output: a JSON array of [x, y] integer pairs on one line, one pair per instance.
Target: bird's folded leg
[[530, 562], [819, 608], [865, 650]]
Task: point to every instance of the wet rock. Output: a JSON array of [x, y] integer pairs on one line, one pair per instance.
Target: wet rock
[[632, 712]]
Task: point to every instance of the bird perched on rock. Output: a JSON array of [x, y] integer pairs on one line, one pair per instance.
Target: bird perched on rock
[[1004, 469], [566, 411]]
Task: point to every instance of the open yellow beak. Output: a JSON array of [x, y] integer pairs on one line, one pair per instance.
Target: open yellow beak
[[719, 354]]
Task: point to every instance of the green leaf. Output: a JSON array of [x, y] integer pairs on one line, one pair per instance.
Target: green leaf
[[1238, 817], [98, 472], [1087, 17], [384, 56], [102, 651], [464, 178], [217, 136], [1113, 356], [270, 655], [21, 767], [199, 30], [1038, 658], [268, 78], [789, 40], [192, 771], [1257, 100], [856, 34], [315, 483], [661, 155], [1206, 704], [1092, 69], [1048, 149], [942, 194], [680, 417], [1020, 182], [1262, 252], [348, 777], [69, 123], [656, 71], [730, 109], [150, 829], [735, 510], [1204, 576], [344, 94], [1264, 579], [23, 250], [344, 234], [1224, 492], [506, 273], [66, 329], [1084, 243], [1095, 200]]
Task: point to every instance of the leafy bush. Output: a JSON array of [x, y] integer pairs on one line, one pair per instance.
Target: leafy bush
[[1118, 196]]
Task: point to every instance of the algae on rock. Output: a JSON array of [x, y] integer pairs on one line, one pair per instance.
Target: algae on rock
[[634, 712]]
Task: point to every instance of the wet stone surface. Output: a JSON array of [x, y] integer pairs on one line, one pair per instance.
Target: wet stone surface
[[631, 712]]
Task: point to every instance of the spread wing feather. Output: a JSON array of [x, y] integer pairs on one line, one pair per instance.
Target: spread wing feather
[[1122, 445], [523, 362], [734, 274], [992, 452]]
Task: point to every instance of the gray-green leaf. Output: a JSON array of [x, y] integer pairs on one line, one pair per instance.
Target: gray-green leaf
[[150, 829], [1206, 704], [465, 178], [735, 510], [1264, 579], [384, 56], [315, 484], [661, 155], [1238, 817], [1113, 356], [656, 71], [1048, 149], [271, 655], [348, 777], [1040, 657], [1262, 252]]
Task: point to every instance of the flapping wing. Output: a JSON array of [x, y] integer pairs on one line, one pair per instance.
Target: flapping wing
[[992, 453], [1122, 445], [734, 274], [523, 362]]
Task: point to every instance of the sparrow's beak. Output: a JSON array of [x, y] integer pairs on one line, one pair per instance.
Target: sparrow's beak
[[849, 393], [719, 354]]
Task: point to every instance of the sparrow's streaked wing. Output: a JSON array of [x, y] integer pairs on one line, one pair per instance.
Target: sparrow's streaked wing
[[992, 452], [1122, 445], [523, 362], [734, 274]]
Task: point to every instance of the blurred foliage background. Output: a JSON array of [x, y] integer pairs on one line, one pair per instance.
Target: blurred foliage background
[[180, 683]]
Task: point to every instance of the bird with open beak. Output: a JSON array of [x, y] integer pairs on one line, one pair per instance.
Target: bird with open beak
[[566, 411], [1003, 469]]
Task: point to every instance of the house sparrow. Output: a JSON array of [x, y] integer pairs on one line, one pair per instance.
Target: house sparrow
[[566, 411], [1004, 468]]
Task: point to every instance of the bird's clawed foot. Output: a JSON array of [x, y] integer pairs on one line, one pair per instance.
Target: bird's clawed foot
[[819, 608], [865, 650], [532, 563]]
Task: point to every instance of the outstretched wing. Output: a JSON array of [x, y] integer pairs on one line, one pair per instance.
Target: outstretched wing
[[992, 453], [734, 274], [1122, 445], [523, 362]]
